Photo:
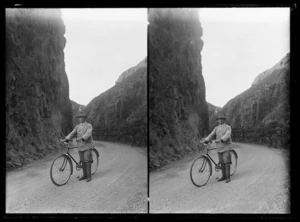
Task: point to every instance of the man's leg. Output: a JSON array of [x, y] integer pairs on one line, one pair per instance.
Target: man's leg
[[227, 160], [89, 160], [221, 161], [84, 171]]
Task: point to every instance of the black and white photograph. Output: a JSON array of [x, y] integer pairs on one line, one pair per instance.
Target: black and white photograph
[[76, 110], [219, 110], [148, 112]]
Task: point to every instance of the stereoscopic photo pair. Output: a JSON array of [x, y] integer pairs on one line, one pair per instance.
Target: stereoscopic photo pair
[[147, 111]]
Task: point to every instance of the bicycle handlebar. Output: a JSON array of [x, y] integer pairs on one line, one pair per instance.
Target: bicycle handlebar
[[206, 144], [202, 142], [68, 144], [212, 148]]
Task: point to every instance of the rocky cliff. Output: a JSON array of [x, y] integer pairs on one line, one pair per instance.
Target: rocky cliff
[[120, 113], [285, 62], [38, 109], [177, 106], [265, 104], [141, 66]]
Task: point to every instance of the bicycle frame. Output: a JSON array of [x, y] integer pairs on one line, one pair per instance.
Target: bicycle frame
[[209, 157], [77, 163], [69, 155]]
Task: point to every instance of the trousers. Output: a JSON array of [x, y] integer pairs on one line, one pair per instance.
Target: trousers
[[225, 157], [85, 156]]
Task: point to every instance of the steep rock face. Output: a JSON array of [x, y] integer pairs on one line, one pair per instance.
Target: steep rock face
[[129, 72], [121, 112], [177, 106], [38, 109], [265, 104], [280, 65], [75, 109]]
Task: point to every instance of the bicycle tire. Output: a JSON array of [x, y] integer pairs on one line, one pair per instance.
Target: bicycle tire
[[95, 164], [62, 164], [200, 169], [233, 165]]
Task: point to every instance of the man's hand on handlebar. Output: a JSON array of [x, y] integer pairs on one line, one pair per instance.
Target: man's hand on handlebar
[[64, 140], [204, 142], [79, 139]]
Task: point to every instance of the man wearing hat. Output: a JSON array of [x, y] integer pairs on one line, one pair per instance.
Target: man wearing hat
[[83, 133], [222, 132]]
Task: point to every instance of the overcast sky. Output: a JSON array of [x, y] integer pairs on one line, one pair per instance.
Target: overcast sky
[[240, 43], [101, 44]]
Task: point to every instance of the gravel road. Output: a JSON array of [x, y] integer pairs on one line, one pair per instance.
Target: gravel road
[[119, 185], [260, 185]]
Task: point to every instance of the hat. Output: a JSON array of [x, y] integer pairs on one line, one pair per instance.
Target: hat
[[221, 116], [81, 114]]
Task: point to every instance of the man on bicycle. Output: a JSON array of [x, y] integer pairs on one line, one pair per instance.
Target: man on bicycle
[[222, 132], [83, 133]]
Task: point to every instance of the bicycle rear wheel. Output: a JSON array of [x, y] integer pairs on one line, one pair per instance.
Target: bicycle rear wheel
[[233, 165], [61, 170], [95, 157], [200, 171]]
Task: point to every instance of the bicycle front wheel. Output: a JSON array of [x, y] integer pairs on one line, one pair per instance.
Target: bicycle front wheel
[[233, 164], [95, 157], [61, 170], [200, 171]]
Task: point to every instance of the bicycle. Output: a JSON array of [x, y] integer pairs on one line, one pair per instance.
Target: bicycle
[[62, 166], [201, 169]]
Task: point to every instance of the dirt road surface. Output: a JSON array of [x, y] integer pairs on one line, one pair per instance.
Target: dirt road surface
[[119, 185], [260, 185]]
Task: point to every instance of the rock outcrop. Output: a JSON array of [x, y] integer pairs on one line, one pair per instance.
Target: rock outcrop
[[177, 106], [265, 105], [38, 109], [285, 62], [120, 113], [141, 66]]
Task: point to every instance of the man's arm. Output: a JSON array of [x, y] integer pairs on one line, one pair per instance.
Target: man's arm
[[211, 135], [72, 134], [227, 134], [88, 132]]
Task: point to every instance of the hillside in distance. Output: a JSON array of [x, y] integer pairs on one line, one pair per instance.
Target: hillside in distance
[[121, 111], [266, 104]]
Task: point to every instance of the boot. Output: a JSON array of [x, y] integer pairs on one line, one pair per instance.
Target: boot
[[83, 171], [227, 173], [89, 177], [223, 172], [219, 166]]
